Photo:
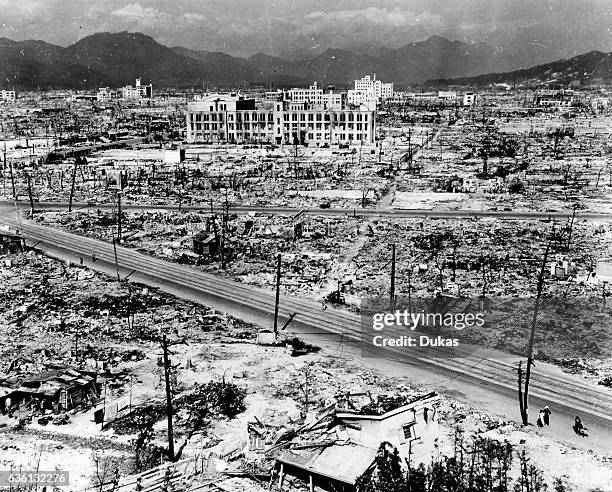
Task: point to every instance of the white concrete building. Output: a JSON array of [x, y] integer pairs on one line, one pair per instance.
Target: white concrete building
[[469, 98], [317, 98], [139, 91], [368, 92], [447, 95], [8, 96], [106, 94], [232, 118]]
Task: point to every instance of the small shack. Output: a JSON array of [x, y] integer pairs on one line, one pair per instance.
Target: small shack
[[59, 389], [205, 243]]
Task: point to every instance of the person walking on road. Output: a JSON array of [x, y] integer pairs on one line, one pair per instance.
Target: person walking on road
[[546, 413]]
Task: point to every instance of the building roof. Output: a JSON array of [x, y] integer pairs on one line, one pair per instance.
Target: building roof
[[412, 404], [345, 463], [50, 382]]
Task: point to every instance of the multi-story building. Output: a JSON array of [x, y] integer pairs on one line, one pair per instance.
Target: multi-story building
[[369, 91], [106, 94], [8, 96], [469, 99], [562, 99], [139, 91], [317, 98], [447, 95], [232, 118]]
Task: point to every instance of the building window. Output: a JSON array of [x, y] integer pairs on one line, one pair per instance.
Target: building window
[[408, 432]]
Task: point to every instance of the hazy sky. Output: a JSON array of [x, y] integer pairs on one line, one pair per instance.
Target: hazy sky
[[243, 27]]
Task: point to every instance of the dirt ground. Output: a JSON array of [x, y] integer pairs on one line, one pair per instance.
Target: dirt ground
[[206, 346]]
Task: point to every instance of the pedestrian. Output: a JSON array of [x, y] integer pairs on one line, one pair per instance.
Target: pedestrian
[[579, 428], [539, 421], [546, 413], [93, 256]]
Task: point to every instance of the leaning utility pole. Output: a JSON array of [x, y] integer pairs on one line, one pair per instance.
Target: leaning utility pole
[[74, 171], [168, 398], [116, 260], [524, 404], [392, 290], [276, 303]]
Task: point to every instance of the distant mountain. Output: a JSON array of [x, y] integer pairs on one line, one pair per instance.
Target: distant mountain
[[418, 62], [116, 59], [33, 64], [124, 56], [221, 68], [591, 67]]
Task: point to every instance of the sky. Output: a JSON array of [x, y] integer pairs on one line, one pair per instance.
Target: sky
[[245, 27]]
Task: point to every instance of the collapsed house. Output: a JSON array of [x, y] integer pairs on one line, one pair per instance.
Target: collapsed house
[[334, 450]]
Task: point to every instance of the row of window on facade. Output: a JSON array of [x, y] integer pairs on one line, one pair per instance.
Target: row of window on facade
[[287, 136], [286, 117], [254, 126]]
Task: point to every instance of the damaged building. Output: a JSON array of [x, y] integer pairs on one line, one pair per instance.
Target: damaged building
[[333, 451]]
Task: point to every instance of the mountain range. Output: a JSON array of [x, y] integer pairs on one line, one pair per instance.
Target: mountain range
[[591, 67], [116, 59]]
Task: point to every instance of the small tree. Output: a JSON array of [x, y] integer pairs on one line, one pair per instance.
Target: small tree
[[386, 473], [106, 467]]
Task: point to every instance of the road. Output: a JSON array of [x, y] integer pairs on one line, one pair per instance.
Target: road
[[359, 212], [490, 382]]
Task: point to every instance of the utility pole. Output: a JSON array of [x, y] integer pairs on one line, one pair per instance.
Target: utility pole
[[277, 301], [392, 290], [571, 227], [524, 404], [410, 287], [74, 171], [168, 398], [119, 217], [410, 150], [30, 194], [116, 261], [12, 179]]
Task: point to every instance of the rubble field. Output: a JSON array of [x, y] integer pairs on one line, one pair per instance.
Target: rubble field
[[345, 259], [118, 327], [547, 163]]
